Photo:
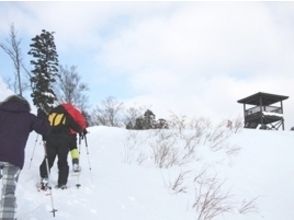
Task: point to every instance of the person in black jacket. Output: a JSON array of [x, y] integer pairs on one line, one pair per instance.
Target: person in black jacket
[[16, 123], [57, 145]]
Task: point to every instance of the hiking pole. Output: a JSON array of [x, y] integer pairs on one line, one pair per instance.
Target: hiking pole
[[1, 170], [48, 176], [78, 185], [88, 154], [80, 142], [33, 153]]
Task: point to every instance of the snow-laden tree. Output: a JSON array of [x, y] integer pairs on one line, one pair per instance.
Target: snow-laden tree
[[45, 72]]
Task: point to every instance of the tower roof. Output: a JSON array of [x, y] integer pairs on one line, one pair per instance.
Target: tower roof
[[267, 99]]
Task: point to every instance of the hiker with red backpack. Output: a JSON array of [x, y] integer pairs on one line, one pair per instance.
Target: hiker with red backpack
[[63, 119], [73, 148]]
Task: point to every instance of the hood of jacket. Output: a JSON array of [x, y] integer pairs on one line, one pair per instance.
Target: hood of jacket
[[15, 103]]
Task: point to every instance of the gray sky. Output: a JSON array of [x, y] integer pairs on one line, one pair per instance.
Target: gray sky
[[188, 58]]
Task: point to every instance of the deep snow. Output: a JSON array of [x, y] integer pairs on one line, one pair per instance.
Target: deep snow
[[120, 187], [124, 183]]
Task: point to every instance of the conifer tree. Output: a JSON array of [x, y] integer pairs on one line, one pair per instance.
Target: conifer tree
[[45, 72]]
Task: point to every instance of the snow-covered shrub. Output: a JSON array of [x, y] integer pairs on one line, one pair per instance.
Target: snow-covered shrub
[[211, 199], [180, 154]]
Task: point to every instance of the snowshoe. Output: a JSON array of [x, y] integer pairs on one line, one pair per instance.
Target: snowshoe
[[43, 185], [76, 168], [61, 187]]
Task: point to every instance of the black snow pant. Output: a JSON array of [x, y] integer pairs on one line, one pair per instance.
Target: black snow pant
[[57, 145], [73, 142]]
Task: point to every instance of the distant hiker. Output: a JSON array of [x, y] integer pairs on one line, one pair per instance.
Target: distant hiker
[[16, 123], [62, 121]]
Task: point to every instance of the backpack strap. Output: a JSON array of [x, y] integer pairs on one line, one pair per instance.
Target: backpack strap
[[56, 119]]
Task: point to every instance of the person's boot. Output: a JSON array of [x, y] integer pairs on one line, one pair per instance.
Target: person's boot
[[75, 165], [44, 184], [62, 186]]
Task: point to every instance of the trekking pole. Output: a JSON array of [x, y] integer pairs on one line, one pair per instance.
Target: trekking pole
[[80, 142], [48, 176], [33, 153], [88, 154], [78, 185], [1, 170]]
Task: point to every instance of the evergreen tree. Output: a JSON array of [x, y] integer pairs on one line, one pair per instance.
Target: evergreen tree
[[149, 119], [45, 72]]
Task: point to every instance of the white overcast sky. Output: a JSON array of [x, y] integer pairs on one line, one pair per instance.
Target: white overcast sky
[[189, 58]]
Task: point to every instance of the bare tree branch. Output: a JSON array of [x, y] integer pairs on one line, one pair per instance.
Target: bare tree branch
[[12, 49]]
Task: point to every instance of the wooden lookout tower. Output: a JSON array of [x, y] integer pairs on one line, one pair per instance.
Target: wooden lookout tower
[[264, 109]]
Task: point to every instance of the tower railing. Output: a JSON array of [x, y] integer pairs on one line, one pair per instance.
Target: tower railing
[[269, 109]]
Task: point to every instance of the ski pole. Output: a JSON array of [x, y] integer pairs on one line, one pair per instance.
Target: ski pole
[[1, 170], [33, 153], [80, 142], [88, 154], [48, 176], [78, 176]]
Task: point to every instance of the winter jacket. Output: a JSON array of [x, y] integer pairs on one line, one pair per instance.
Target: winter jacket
[[16, 123], [62, 123]]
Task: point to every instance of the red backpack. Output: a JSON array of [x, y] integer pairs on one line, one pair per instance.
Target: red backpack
[[76, 115]]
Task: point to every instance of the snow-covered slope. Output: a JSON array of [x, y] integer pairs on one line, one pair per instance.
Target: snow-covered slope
[[120, 181]]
